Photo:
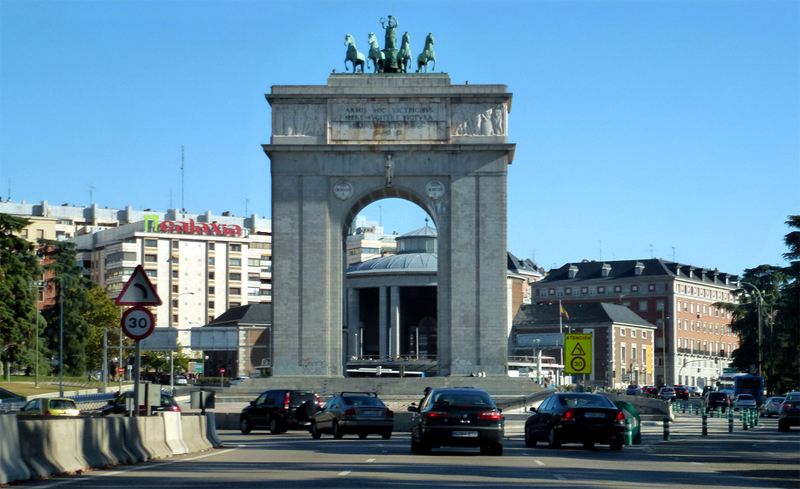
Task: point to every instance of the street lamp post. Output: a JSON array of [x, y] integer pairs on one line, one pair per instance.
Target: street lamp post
[[760, 304], [38, 286]]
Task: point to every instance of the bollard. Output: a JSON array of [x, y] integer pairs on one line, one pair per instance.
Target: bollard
[[743, 417], [751, 416], [628, 438], [705, 424], [683, 407], [730, 421], [719, 412], [756, 417], [666, 429]]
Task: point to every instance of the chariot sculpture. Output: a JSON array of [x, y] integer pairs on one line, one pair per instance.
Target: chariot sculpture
[[390, 59]]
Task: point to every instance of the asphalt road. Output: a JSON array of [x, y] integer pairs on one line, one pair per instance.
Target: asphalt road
[[760, 457]]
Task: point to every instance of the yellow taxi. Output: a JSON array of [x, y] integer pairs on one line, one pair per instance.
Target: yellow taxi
[[50, 407]]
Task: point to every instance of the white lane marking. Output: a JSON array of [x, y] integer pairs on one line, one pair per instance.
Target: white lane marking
[[559, 477], [696, 463], [144, 466], [539, 462], [384, 451], [344, 473], [370, 460]]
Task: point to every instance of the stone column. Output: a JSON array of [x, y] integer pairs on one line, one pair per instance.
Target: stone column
[[383, 324], [353, 320], [394, 321]]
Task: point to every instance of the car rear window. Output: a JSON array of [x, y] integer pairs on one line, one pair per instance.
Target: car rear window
[[585, 401], [792, 398], [463, 399], [746, 397], [298, 398], [62, 404], [362, 401]]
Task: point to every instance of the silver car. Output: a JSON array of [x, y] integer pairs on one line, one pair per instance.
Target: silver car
[[744, 401], [667, 394], [772, 406]]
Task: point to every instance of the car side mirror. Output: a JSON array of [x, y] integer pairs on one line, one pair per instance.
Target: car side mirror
[[500, 410], [534, 409], [252, 403], [413, 409], [111, 402]]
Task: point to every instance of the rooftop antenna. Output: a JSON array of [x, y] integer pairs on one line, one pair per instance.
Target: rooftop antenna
[[651, 251], [9, 190], [673, 253], [170, 198], [601, 248], [91, 190], [246, 203], [183, 207], [380, 215]]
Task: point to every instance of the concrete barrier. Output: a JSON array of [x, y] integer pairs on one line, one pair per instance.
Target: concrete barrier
[[102, 444], [12, 466], [211, 429], [51, 446], [173, 432], [195, 433], [133, 439]]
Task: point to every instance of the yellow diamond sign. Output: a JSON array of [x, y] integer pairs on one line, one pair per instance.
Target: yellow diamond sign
[[578, 349]]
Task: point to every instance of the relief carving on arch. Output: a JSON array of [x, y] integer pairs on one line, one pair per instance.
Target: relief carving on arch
[[479, 120], [298, 120]]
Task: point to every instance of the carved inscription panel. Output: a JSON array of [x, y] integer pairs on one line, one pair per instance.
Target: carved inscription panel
[[479, 120], [387, 121], [298, 120]]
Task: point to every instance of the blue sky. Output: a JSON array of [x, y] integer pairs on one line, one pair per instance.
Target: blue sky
[[643, 128]]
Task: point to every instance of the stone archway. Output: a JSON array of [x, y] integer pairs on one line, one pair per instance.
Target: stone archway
[[337, 148]]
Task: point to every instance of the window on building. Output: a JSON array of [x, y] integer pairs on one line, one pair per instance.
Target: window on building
[[634, 288], [601, 290], [175, 245], [644, 355], [642, 306], [211, 304], [622, 331], [151, 242], [174, 319], [151, 273], [680, 342], [680, 324], [235, 291], [716, 329], [211, 260], [692, 350], [542, 292], [691, 308], [592, 290], [210, 290], [704, 309], [236, 304], [633, 333], [626, 304], [253, 277], [210, 246], [622, 353], [174, 302], [568, 291], [174, 289], [659, 305], [704, 327], [235, 276], [253, 262], [211, 275], [691, 325], [644, 335], [633, 354], [617, 288], [150, 258], [651, 287], [174, 260], [236, 247], [659, 323], [235, 262], [685, 306]]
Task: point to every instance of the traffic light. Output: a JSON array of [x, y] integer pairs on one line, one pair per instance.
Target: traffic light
[[722, 353]]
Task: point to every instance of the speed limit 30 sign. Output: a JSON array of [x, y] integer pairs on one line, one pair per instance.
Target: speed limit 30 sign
[[138, 323]]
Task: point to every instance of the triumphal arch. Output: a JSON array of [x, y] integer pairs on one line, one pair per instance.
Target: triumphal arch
[[335, 149]]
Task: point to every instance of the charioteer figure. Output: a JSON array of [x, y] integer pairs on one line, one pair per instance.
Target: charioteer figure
[[390, 50]]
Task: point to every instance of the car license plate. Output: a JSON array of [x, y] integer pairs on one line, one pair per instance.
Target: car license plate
[[465, 434], [594, 415], [371, 412]]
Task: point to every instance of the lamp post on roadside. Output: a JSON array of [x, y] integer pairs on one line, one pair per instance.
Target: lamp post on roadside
[[38, 286], [760, 305]]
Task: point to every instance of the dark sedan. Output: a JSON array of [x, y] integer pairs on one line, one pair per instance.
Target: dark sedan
[[681, 393], [457, 418], [789, 415], [119, 405], [576, 418], [360, 413]]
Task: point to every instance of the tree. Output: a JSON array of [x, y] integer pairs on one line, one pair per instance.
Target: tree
[[784, 346], [19, 266], [72, 292], [103, 314]]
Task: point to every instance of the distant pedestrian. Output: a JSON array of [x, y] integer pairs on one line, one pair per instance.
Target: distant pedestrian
[[580, 387]]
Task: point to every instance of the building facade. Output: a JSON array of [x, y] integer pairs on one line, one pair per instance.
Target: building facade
[[694, 338]]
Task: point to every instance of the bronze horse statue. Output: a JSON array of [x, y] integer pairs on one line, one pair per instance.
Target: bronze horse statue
[[376, 56], [427, 55], [405, 53], [353, 56]]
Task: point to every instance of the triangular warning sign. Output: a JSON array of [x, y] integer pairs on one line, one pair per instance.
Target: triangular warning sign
[[139, 291], [578, 350]]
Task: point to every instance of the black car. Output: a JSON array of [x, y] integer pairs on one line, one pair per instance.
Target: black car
[[360, 413], [119, 405], [576, 418], [457, 418], [789, 415], [280, 410], [681, 393], [717, 399]]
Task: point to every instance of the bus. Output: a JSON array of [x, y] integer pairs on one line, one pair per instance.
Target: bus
[[740, 383]]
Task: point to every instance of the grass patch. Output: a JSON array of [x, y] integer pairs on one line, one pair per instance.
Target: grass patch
[[24, 386]]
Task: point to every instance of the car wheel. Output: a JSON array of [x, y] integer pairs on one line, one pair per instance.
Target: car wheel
[[529, 440], [337, 432], [782, 427], [315, 434], [362, 435], [617, 445], [274, 426], [552, 439], [244, 425], [386, 435], [588, 445], [496, 450]]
